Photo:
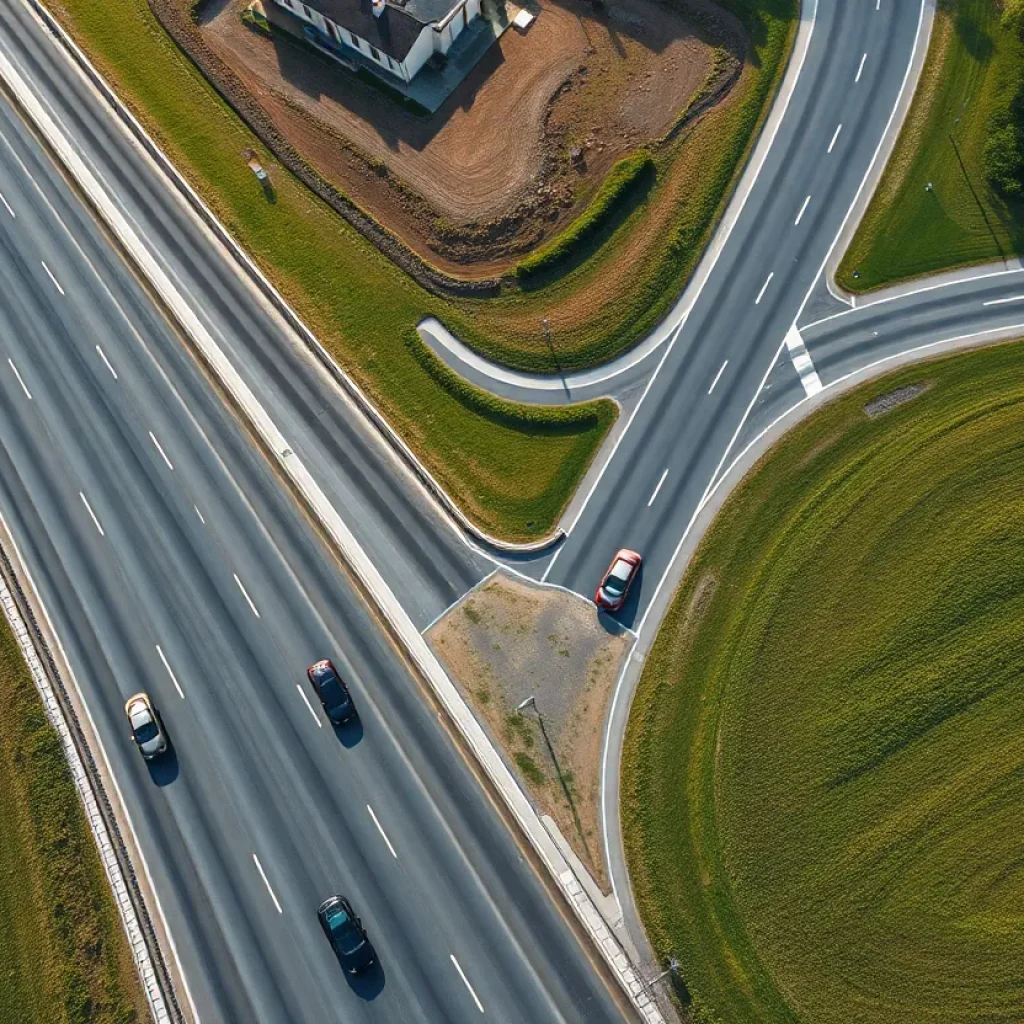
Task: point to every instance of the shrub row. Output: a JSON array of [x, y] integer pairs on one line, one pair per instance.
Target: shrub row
[[623, 176], [1004, 148]]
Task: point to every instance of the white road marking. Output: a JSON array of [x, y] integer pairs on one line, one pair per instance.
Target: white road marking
[[1000, 302], [302, 694], [860, 70], [465, 981], [170, 672], [384, 836], [245, 594], [263, 875], [159, 448], [650, 501], [717, 376], [200, 514], [764, 288], [803, 210], [85, 502], [7, 205], [28, 394], [106, 362], [802, 362], [52, 278], [832, 144]]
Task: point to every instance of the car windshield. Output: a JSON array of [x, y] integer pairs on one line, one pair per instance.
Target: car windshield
[[343, 929], [146, 732], [331, 691], [615, 584]]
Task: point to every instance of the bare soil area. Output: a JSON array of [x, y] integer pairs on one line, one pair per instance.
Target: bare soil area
[[491, 173], [510, 640]]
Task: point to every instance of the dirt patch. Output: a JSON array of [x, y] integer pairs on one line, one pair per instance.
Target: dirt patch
[[510, 640], [522, 144], [891, 399]]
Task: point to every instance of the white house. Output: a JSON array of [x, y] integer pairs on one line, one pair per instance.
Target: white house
[[398, 36]]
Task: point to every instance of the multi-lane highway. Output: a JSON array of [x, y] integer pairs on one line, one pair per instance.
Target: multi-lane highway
[[171, 558]]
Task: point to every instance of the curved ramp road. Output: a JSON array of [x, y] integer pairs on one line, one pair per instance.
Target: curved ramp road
[[172, 560]]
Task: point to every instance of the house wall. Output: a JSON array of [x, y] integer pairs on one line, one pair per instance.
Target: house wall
[[447, 31], [420, 53]]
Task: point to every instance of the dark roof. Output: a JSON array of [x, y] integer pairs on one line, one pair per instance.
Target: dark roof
[[397, 28]]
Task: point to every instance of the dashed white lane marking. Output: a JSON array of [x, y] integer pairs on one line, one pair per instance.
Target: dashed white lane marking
[[106, 362], [52, 278], [383, 834], [245, 594], [266, 882], [316, 717], [7, 205], [465, 981], [802, 362], [1001, 302], [85, 502], [832, 144], [764, 288], [717, 376], [650, 500], [170, 672], [803, 210], [200, 514], [860, 70], [160, 449], [28, 394]]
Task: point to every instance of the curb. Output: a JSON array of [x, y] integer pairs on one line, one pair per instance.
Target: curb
[[344, 543], [274, 297], [99, 814]]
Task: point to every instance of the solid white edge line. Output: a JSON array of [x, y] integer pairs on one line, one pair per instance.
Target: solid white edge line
[[465, 981], [7, 205], [832, 144], [106, 362], [52, 278], [305, 699], [803, 210], [88, 507], [160, 449], [860, 70], [650, 501], [245, 594], [266, 882], [28, 394], [764, 288], [383, 834], [170, 672]]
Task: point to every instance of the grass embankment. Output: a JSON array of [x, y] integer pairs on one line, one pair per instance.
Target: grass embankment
[[824, 769], [63, 955], [973, 70]]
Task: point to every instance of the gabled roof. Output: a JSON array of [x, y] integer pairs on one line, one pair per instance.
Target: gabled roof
[[398, 26]]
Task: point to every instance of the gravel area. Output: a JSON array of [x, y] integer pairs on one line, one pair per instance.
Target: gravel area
[[891, 399]]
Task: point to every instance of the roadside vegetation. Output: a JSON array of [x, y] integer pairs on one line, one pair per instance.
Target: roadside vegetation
[[824, 766], [63, 956], [953, 192]]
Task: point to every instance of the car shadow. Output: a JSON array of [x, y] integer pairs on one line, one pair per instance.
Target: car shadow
[[626, 616], [349, 733], [369, 984], [164, 770]]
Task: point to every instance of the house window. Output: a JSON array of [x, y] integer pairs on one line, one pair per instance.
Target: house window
[[376, 56], [308, 12]]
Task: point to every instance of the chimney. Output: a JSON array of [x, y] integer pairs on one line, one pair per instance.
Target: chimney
[[378, 7]]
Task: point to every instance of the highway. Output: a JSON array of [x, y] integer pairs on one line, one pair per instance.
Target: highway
[[171, 559]]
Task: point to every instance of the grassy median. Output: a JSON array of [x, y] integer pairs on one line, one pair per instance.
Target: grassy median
[[973, 68], [63, 955], [824, 769]]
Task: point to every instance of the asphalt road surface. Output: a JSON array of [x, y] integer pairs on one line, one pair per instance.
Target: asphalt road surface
[[171, 559]]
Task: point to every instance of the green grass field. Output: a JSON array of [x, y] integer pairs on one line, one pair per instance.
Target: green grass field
[[823, 779], [908, 231], [63, 956]]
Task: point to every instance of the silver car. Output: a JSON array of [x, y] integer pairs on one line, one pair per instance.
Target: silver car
[[147, 729]]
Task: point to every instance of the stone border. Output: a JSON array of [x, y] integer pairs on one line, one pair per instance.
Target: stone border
[[113, 852], [400, 627]]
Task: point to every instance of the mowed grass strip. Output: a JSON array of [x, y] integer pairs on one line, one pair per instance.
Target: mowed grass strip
[[972, 69], [823, 778], [513, 473], [63, 956]]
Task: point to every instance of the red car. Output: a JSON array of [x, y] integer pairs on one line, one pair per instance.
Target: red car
[[615, 584]]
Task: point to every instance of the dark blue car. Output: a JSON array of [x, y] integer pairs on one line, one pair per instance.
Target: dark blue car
[[346, 934], [332, 692]]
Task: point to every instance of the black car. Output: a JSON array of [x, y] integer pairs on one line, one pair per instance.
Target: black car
[[346, 934], [331, 691]]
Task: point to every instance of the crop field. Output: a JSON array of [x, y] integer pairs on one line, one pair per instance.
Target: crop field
[[974, 68], [823, 781], [63, 956]]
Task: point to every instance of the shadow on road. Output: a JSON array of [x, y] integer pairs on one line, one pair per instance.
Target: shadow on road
[[369, 984], [164, 770], [350, 733]]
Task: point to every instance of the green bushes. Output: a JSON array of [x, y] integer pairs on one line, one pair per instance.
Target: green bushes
[[1004, 148], [621, 181]]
